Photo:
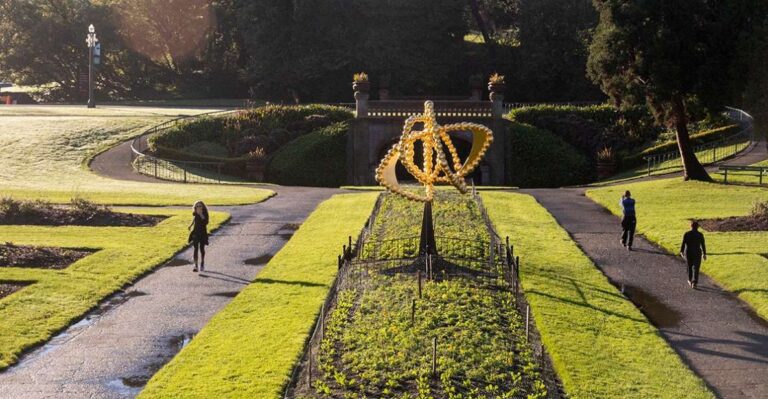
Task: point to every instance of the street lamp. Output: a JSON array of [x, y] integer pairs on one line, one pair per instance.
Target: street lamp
[[92, 42]]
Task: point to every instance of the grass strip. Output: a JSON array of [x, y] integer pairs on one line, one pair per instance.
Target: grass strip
[[248, 349], [56, 298], [601, 345], [665, 208]]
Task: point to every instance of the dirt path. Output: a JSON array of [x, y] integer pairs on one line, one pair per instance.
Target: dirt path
[[714, 332]]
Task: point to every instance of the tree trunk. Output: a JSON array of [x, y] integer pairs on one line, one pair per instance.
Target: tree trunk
[[692, 168], [474, 5]]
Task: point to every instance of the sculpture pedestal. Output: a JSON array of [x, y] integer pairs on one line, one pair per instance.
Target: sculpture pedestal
[[427, 244]]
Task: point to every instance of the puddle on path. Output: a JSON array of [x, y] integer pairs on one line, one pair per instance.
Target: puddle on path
[[659, 314], [131, 385], [124, 389], [178, 342], [177, 262], [226, 294], [259, 260], [77, 328]]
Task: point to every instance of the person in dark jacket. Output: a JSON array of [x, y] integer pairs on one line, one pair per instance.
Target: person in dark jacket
[[629, 221], [199, 234], [693, 249]]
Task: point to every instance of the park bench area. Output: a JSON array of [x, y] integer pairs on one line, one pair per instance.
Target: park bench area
[[758, 171]]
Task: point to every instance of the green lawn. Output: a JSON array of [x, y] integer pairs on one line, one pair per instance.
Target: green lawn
[[601, 345], [665, 208], [56, 298], [44, 148], [249, 348]]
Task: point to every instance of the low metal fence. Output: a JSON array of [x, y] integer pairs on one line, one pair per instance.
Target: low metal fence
[[176, 170], [712, 152]]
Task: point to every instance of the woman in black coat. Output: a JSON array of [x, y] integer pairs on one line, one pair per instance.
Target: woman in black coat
[[199, 234]]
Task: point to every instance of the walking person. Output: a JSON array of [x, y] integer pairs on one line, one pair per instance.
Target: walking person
[[629, 221], [198, 235], [693, 250]]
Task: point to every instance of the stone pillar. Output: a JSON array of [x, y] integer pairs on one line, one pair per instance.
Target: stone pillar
[[476, 88], [497, 98], [362, 94]]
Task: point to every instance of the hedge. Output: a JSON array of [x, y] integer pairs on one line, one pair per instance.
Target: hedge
[[541, 159], [268, 128], [318, 159], [591, 128]]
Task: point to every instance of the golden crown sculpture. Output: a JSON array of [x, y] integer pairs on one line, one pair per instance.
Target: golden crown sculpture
[[436, 168]]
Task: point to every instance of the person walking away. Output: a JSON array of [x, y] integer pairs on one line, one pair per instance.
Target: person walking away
[[693, 250], [629, 221], [198, 235]]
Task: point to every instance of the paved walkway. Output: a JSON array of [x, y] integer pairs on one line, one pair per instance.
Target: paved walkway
[[114, 351], [714, 332], [116, 163]]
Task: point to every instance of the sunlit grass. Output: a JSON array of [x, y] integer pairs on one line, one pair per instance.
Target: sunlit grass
[[601, 345], [249, 348], [56, 298], [43, 157], [664, 211]]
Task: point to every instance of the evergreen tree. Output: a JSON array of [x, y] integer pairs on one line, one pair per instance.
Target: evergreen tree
[[671, 55]]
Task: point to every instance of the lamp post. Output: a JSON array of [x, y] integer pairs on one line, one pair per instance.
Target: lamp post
[[91, 40]]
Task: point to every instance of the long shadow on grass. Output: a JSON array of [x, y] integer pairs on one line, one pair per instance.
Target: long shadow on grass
[[577, 286], [300, 283]]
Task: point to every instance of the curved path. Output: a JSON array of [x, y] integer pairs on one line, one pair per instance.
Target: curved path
[[715, 333], [113, 351]]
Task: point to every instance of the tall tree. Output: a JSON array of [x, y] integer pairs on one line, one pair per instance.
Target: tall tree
[[671, 54], [43, 42], [551, 60]]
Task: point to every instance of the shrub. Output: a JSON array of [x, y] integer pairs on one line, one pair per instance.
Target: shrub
[[315, 159], [760, 210], [591, 128], [542, 159], [268, 128]]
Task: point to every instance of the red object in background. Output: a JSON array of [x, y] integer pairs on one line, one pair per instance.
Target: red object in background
[[7, 100]]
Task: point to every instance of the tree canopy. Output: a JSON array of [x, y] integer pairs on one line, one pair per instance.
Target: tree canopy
[[673, 55]]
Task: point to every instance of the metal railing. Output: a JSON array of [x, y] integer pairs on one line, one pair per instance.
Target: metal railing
[[176, 170], [495, 259], [708, 153]]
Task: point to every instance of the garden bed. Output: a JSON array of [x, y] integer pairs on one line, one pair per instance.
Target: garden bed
[[39, 257], [381, 338], [79, 213], [7, 288], [757, 220], [736, 223]]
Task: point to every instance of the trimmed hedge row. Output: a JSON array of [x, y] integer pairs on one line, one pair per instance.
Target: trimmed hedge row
[[266, 128], [592, 128], [317, 159], [542, 159], [707, 136]]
